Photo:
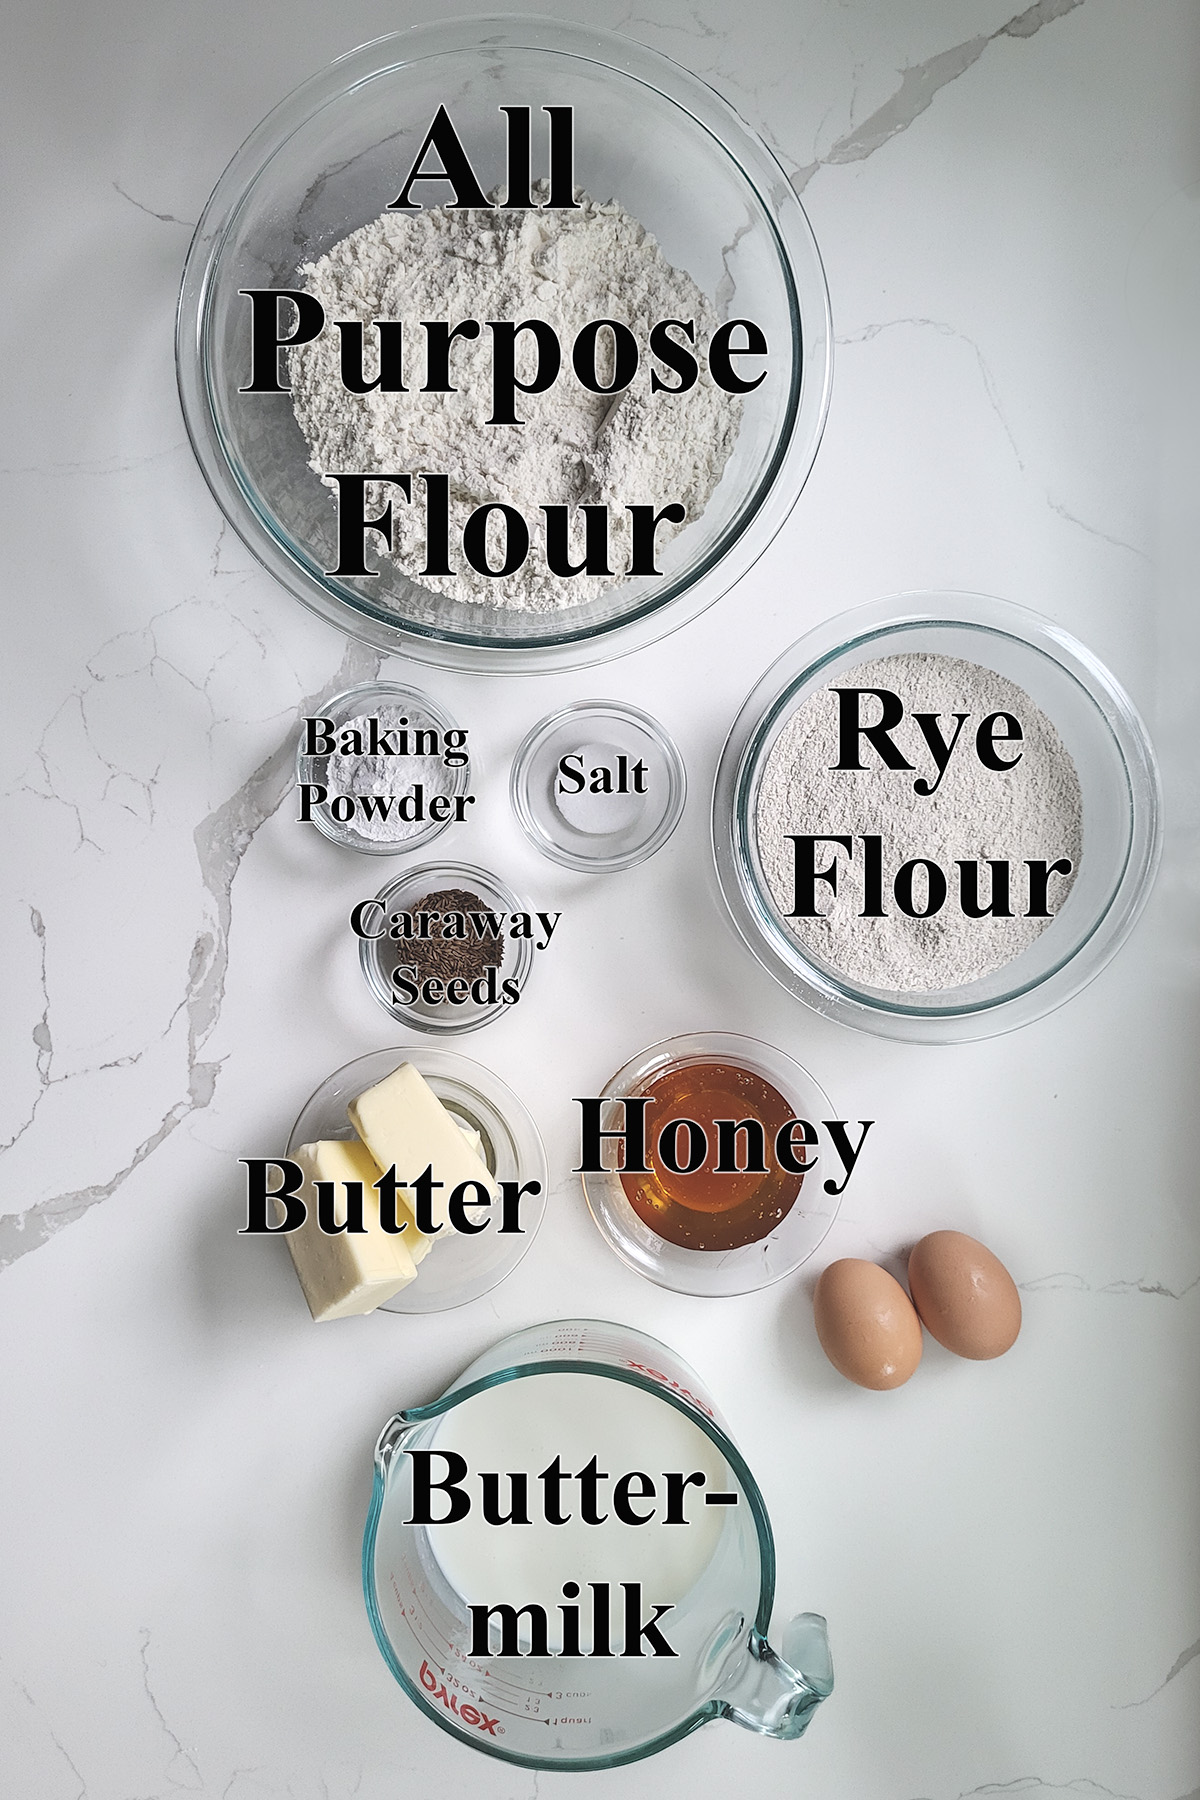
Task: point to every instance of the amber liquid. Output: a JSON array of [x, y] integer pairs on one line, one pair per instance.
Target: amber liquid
[[704, 1210]]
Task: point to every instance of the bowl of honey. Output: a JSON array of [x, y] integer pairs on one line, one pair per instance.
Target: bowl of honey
[[706, 1168]]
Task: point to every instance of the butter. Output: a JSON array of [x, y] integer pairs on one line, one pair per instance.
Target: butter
[[404, 1124], [352, 1272]]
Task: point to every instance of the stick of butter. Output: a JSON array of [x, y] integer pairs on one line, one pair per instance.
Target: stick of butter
[[352, 1272], [404, 1125], [415, 1242]]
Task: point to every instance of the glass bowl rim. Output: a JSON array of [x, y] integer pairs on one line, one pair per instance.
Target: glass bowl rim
[[440, 1060], [869, 628], [434, 828], [699, 1046], [713, 1427], [797, 439], [518, 786], [437, 870]]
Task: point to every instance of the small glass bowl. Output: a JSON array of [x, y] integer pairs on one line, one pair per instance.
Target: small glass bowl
[[1118, 776], [713, 1273], [333, 156], [379, 956], [461, 1268], [364, 702], [598, 832]]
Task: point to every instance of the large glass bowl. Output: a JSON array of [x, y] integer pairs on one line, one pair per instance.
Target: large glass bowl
[[335, 154], [1118, 778]]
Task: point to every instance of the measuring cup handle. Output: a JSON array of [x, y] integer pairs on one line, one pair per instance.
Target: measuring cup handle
[[777, 1695]]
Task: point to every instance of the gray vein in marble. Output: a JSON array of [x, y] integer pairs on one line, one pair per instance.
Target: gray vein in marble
[[221, 840], [180, 1755], [216, 569], [944, 330], [1065, 1281], [1181, 1662], [224, 837], [1034, 1784], [44, 1044], [302, 240], [237, 1776], [165, 218], [919, 85], [1093, 530], [54, 1739], [727, 286], [94, 465], [881, 1250], [115, 772], [49, 792], [29, 1230], [696, 27]]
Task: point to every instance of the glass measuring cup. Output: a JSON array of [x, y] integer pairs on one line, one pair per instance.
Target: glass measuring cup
[[584, 1713]]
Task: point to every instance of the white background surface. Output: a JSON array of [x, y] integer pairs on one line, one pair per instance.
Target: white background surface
[[1008, 1554]]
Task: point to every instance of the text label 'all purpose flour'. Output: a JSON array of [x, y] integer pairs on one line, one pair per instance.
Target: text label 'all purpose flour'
[[520, 400], [919, 822]]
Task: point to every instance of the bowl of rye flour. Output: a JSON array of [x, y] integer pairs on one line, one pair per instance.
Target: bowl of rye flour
[[936, 818], [504, 343]]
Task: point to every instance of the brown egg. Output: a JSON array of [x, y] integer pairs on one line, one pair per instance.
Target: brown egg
[[966, 1297], [866, 1324]]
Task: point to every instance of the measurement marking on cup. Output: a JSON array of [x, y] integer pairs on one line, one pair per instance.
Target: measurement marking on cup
[[429, 1651], [412, 1615], [478, 1694], [514, 1687], [527, 1717], [415, 1612], [448, 1682], [490, 1676]]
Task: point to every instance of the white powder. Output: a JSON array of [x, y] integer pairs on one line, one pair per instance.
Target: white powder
[[568, 269], [1033, 810], [394, 775]]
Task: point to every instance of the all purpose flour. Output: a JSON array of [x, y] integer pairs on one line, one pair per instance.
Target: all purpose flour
[[1033, 809], [568, 268]]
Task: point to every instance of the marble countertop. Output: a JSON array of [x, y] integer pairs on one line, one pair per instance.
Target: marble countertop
[[1008, 1554]]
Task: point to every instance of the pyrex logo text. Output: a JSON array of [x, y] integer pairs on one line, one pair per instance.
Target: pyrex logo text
[[470, 1715], [675, 1386]]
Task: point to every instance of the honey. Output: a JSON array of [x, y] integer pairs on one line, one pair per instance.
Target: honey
[[704, 1209]]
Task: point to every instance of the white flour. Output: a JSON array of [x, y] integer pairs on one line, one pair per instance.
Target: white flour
[[568, 269], [395, 775], [1031, 811]]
